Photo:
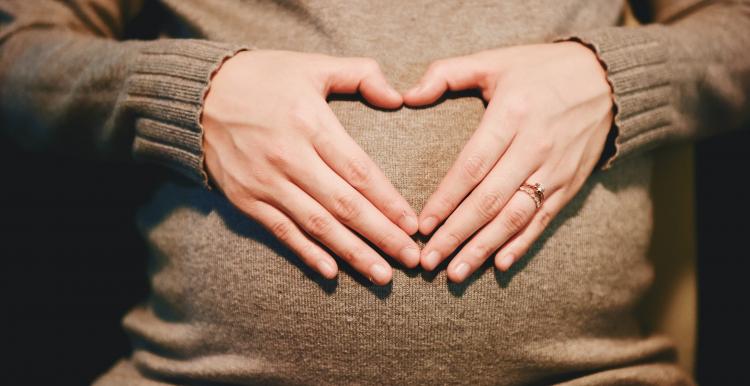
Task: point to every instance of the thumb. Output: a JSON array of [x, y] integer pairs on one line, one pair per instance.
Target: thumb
[[364, 75], [453, 74]]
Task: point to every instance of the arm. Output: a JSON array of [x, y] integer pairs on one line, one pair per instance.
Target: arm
[[271, 145], [68, 84], [685, 76], [550, 112]]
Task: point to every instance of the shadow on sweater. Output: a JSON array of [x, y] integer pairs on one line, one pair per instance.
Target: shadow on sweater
[[180, 193], [183, 193], [504, 278]]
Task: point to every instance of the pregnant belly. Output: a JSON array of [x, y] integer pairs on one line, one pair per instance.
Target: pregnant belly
[[231, 304]]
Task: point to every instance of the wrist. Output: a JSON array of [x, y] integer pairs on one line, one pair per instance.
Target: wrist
[[609, 148], [211, 111]]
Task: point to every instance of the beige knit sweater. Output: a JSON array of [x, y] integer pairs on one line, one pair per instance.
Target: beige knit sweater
[[231, 305]]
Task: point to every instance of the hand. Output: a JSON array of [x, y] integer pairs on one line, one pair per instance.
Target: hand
[[548, 115], [279, 154]]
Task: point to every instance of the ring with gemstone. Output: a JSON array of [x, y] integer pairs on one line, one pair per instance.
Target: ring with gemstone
[[535, 191]]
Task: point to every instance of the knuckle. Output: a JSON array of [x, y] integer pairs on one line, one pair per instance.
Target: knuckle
[[357, 173], [387, 241], [489, 205], [300, 118], [517, 108], [498, 136], [263, 178], [453, 238], [278, 156], [347, 207], [237, 190], [269, 194], [245, 203], [297, 116], [444, 204], [545, 217], [393, 208], [516, 218], [482, 250], [474, 167], [544, 145], [319, 225], [353, 256], [282, 230], [309, 254], [322, 139], [243, 196]]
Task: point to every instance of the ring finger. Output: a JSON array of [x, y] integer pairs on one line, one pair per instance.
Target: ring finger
[[355, 211], [483, 204], [322, 226], [512, 219], [289, 233]]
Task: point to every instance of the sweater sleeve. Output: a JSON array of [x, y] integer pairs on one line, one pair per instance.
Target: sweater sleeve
[[686, 75], [69, 82]]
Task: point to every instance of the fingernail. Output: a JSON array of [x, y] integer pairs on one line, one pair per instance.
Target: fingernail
[[428, 225], [506, 262], [409, 223], [461, 271], [410, 256], [432, 260], [379, 274], [327, 269]]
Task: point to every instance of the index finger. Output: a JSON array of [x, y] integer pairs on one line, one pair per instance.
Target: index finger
[[475, 160], [344, 155]]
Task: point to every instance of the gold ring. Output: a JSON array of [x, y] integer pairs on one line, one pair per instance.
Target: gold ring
[[536, 192]]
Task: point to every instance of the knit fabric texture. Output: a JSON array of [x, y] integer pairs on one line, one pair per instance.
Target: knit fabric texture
[[231, 305]]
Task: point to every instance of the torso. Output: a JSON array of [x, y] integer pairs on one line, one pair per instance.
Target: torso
[[230, 304]]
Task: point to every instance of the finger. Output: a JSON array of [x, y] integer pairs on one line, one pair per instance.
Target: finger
[[350, 75], [482, 205], [555, 199], [322, 226], [289, 233], [517, 246], [476, 159], [454, 74], [513, 217], [355, 211], [344, 155]]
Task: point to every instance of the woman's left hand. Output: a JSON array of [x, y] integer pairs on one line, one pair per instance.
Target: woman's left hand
[[548, 116]]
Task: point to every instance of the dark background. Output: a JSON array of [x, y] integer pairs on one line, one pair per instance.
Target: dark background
[[73, 262]]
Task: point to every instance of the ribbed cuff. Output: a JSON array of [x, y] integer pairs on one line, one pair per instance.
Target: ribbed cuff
[[165, 92], [637, 70]]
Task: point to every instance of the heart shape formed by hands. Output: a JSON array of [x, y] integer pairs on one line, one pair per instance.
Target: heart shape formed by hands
[[548, 116], [280, 155]]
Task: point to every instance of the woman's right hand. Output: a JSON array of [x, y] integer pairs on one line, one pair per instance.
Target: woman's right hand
[[277, 151]]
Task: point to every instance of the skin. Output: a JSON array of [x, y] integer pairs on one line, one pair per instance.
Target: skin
[[305, 179], [548, 115], [279, 154]]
